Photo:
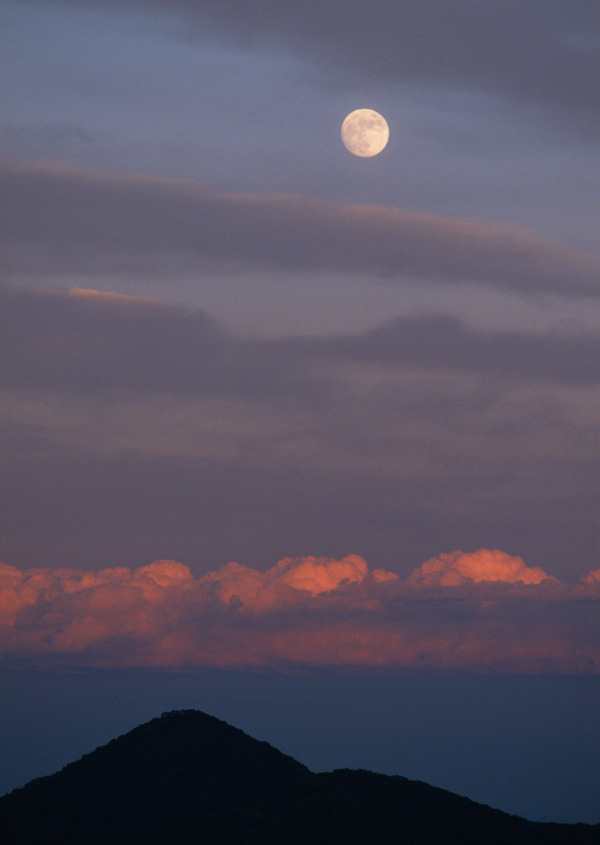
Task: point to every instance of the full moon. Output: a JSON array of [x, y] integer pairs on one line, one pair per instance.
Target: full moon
[[365, 132]]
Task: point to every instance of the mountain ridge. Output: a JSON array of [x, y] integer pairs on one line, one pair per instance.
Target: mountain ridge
[[190, 777]]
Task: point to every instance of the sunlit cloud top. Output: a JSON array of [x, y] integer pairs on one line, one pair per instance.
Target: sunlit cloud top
[[481, 611]]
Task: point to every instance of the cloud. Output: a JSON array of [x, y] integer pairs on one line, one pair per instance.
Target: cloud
[[449, 570], [154, 419], [441, 342], [58, 220], [543, 52], [88, 342], [483, 611]]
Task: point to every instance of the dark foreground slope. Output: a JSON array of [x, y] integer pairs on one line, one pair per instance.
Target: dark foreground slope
[[188, 777]]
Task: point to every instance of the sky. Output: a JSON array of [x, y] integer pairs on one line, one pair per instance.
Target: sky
[[282, 424]]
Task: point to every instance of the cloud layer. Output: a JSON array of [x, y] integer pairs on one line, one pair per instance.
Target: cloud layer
[[154, 419], [59, 221], [541, 52], [88, 342], [483, 611]]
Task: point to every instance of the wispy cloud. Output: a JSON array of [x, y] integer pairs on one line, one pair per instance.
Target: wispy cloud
[[482, 611]]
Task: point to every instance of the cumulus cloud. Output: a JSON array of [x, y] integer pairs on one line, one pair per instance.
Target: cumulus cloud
[[62, 221], [455, 568], [481, 611]]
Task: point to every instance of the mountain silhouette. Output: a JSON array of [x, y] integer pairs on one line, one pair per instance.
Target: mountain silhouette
[[189, 777]]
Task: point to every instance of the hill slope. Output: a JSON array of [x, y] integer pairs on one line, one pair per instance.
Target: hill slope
[[188, 777]]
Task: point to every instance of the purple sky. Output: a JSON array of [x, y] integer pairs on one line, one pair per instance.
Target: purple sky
[[224, 338]]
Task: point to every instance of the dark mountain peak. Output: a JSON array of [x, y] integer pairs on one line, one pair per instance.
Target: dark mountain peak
[[189, 777], [200, 746], [184, 765]]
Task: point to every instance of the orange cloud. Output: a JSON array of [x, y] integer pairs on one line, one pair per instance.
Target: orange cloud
[[319, 575], [453, 568], [482, 611], [112, 297]]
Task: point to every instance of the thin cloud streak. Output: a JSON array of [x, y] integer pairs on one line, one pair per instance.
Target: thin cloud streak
[[60, 221], [484, 611]]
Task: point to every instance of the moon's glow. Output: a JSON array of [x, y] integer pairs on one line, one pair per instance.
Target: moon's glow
[[365, 132]]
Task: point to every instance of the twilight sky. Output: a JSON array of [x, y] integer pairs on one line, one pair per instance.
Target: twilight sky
[[267, 405]]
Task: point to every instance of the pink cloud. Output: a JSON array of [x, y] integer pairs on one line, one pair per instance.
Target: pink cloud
[[453, 568], [319, 575], [481, 611]]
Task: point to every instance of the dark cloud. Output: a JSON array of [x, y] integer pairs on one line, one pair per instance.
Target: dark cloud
[[131, 424], [87, 342], [58, 220], [439, 342], [413, 419], [391, 476], [543, 52]]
